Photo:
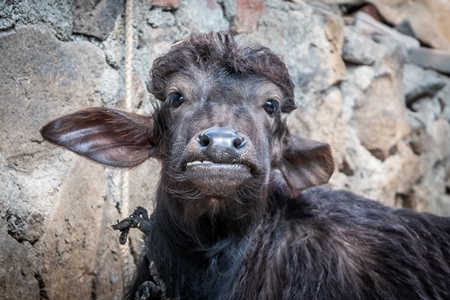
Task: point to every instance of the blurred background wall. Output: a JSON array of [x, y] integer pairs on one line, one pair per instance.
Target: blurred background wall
[[370, 80]]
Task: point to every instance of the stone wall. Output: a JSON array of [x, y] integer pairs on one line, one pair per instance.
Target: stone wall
[[386, 119]]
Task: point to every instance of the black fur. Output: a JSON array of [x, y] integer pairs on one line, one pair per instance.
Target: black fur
[[323, 244]]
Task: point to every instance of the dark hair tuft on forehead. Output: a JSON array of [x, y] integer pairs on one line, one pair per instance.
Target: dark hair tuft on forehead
[[220, 52]]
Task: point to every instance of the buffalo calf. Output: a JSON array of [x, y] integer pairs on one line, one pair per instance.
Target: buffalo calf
[[239, 212]]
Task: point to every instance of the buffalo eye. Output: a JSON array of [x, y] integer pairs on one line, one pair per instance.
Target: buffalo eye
[[175, 99], [272, 107]]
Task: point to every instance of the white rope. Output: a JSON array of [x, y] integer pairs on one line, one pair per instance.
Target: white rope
[[125, 181], [128, 53]]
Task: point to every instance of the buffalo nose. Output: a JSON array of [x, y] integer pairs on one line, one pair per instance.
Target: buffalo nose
[[221, 145]]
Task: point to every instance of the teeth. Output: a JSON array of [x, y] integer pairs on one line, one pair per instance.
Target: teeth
[[197, 162]]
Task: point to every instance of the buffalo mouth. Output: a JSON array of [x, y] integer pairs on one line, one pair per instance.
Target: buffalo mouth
[[218, 178]]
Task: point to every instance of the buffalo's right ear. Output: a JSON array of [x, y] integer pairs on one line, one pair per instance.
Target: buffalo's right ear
[[108, 136]]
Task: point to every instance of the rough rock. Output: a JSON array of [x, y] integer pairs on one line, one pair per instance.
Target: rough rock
[[96, 18], [379, 116], [429, 19], [158, 18], [201, 16], [247, 15], [42, 191], [19, 274], [370, 26], [55, 14], [229, 8], [313, 53], [429, 58], [419, 84], [166, 4], [357, 48]]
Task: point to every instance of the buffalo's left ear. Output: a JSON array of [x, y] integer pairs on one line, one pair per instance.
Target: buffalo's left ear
[[305, 163]]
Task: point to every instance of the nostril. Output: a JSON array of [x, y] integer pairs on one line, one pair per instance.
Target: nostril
[[203, 140], [239, 142]]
